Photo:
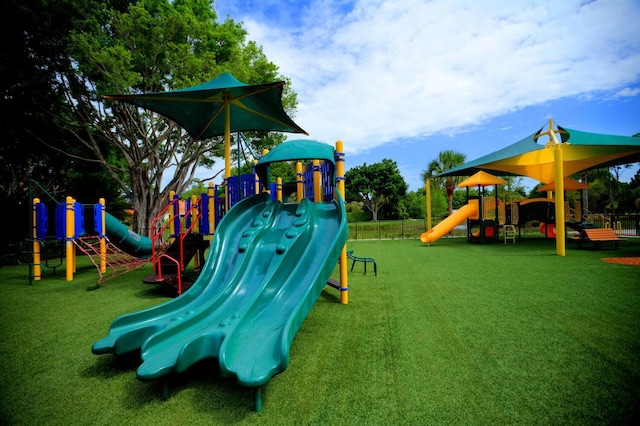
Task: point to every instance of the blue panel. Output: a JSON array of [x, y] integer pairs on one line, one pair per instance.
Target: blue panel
[[79, 219], [97, 219], [42, 221], [61, 221]]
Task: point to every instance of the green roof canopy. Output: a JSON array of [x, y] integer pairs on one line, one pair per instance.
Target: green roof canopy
[[581, 151], [299, 149], [200, 109]]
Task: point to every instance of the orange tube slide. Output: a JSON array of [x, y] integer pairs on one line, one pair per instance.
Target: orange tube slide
[[466, 211]]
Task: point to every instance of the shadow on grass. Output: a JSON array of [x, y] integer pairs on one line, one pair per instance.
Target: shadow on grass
[[203, 385], [109, 366], [152, 291], [332, 295]]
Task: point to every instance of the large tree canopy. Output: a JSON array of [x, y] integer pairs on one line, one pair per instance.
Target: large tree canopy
[[115, 46], [376, 185], [153, 46]]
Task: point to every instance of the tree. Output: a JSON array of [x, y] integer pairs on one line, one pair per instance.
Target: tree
[[514, 189], [34, 54], [151, 46], [376, 185], [446, 160]]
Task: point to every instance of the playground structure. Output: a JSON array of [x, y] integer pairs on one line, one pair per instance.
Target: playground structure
[[111, 246], [543, 210], [268, 262], [182, 230], [567, 152], [484, 214]]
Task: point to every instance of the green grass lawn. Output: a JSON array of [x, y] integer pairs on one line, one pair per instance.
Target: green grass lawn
[[453, 333]]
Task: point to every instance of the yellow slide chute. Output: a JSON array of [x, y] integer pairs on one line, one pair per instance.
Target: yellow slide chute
[[465, 212]]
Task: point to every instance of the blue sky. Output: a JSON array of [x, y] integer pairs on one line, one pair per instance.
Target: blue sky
[[406, 79]]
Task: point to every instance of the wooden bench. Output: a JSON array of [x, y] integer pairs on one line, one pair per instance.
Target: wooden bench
[[364, 260], [597, 236]]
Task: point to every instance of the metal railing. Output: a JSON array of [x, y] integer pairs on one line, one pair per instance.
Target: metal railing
[[409, 229], [627, 225]]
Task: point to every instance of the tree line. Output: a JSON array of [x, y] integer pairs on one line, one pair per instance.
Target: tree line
[[378, 191], [61, 57]]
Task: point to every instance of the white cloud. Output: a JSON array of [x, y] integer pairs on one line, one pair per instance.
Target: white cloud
[[627, 92], [392, 69]]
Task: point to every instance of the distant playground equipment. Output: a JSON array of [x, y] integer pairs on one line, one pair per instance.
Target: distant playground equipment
[[565, 152], [268, 262], [484, 214], [543, 210], [111, 246]]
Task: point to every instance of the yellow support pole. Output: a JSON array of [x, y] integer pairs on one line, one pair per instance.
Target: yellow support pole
[[559, 190], [172, 227], [558, 158], [227, 149], [267, 187], [299, 182], [211, 192], [195, 228], [317, 182], [103, 242], [69, 235], [344, 280], [256, 179], [37, 268], [427, 188], [194, 211], [279, 189]]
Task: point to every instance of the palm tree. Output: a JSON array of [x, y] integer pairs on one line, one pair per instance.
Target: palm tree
[[446, 160]]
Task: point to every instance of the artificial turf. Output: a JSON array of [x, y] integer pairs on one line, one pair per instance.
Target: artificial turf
[[451, 333]]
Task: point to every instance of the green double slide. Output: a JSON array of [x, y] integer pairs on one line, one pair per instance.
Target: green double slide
[[268, 262]]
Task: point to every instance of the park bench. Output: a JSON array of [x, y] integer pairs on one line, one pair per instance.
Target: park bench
[[364, 260], [597, 236]]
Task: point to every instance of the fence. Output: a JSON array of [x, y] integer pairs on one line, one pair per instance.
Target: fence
[[626, 225], [410, 229]]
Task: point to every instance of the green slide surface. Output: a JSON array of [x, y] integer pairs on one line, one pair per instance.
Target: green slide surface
[[267, 265], [125, 239]]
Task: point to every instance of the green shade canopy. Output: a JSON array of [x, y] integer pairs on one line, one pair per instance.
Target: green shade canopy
[[200, 109], [299, 149], [581, 151]]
